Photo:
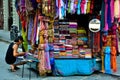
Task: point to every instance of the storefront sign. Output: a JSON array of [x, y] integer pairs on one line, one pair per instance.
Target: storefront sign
[[94, 25]]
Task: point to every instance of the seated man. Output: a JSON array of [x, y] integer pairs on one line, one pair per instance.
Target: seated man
[[12, 53]]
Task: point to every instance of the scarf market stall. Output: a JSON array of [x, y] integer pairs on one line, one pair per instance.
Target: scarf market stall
[[71, 37]]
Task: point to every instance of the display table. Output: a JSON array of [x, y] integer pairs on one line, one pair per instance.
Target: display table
[[71, 66], [75, 66]]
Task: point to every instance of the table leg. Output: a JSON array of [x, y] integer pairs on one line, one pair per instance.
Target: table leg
[[23, 71], [30, 72]]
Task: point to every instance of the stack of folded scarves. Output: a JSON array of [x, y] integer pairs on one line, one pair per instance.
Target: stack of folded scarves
[[73, 27], [68, 49], [82, 38]]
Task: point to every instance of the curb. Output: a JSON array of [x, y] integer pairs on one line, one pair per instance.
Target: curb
[[5, 41]]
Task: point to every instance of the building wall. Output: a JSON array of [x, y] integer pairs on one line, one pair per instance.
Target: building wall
[[15, 15], [7, 14], [1, 14]]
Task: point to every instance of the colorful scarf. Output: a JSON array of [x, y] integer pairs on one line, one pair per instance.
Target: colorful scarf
[[78, 7], [107, 60], [113, 59]]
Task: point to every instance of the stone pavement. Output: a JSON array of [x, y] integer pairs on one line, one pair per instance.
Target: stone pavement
[[7, 75], [5, 36]]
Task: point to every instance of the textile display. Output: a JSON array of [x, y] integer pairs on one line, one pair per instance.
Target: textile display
[[57, 33]]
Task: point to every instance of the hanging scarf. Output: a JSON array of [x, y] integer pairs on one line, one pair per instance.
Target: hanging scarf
[[25, 43], [63, 6], [69, 4], [91, 6], [102, 58], [37, 33], [96, 44], [106, 11], [47, 57], [75, 6], [118, 38], [107, 59], [78, 7], [109, 14], [59, 6], [34, 4], [85, 9], [112, 10], [41, 65], [82, 5], [35, 28], [113, 59], [102, 16], [114, 28], [116, 8], [29, 7], [72, 7], [30, 25], [48, 8], [88, 6], [57, 9]]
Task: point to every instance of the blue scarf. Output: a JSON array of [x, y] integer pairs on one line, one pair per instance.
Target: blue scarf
[[78, 7], [107, 60]]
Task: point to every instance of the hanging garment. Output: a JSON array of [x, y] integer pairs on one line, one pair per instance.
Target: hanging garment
[[75, 6], [30, 26], [63, 8], [102, 58], [37, 33], [35, 28], [91, 6], [47, 57], [102, 16], [57, 10], [16, 4], [49, 6], [72, 6], [96, 44], [85, 9], [25, 43], [116, 8], [118, 38], [69, 4], [82, 5], [42, 63], [114, 29], [113, 59], [109, 21], [22, 5], [34, 4], [112, 10], [29, 7], [107, 61], [41, 40], [88, 6], [78, 7], [106, 11], [60, 13]]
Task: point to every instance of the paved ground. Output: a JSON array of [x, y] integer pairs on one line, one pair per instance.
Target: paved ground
[[7, 75]]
